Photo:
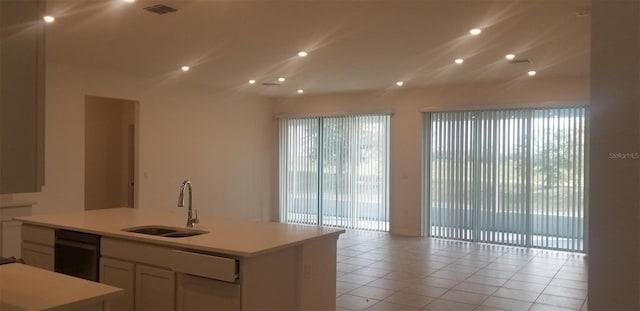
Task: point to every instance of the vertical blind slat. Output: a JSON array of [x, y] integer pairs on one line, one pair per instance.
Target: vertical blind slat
[[334, 171], [508, 176]]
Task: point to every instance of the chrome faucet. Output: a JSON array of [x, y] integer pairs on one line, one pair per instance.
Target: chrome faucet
[[190, 218]]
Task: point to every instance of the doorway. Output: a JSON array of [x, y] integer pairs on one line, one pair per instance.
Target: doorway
[[110, 152], [334, 171], [513, 176]]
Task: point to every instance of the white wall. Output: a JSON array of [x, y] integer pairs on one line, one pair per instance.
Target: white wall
[[406, 125], [223, 141], [226, 142], [614, 226]]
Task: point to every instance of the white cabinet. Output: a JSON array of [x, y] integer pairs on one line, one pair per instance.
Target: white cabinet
[[161, 278], [199, 293], [10, 230], [11, 238], [22, 59], [120, 274], [206, 282], [37, 255], [155, 288], [145, 287], [142, 270], [204, 265], [38, 246]]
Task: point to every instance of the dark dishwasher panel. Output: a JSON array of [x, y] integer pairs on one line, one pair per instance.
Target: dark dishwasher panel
[[77, 254]]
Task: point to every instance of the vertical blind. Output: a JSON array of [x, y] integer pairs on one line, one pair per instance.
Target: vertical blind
[[512, 177], [334, 171]]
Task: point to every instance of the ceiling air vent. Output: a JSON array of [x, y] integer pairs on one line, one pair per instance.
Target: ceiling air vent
[[270, 84], [160, 9], [520, 61]]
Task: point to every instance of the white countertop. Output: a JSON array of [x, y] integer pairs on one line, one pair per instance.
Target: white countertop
[[240, 238], [24, 287]]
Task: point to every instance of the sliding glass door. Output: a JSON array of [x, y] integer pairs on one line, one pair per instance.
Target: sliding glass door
[[512, 177], [334, 171]]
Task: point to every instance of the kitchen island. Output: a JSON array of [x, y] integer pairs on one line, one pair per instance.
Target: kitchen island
[[28, 288], [234, 265]]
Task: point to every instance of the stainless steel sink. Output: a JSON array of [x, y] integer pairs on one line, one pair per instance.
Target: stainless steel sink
[[151, 230], [181, 234], [164, 231]]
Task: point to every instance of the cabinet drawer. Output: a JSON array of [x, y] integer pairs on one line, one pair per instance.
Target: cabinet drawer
[[135, 252], [208, 266], [198, 293], [40, 235], [37, 255]]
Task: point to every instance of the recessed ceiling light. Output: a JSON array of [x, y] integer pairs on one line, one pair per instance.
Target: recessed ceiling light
[[531, 73], [48, 18], [399, 83], [281, 79], [459, 61], [185, 68], [475, 31], [509, 56], [300, 91], [583, 12], [302, 53], [129, 1], [252, 81]]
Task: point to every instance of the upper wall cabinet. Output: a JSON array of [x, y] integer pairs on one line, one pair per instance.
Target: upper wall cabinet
[[22, 64]]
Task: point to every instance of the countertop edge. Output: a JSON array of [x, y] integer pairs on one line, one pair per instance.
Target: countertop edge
[[89, 301], [170, 243], [98, 292]]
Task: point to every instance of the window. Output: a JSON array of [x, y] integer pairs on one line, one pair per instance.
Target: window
[[334, 171], [507, 176]]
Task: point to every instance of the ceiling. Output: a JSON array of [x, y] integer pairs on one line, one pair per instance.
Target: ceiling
[[352, 45]]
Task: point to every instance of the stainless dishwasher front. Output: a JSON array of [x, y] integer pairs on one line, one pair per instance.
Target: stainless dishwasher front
[[77, 254]]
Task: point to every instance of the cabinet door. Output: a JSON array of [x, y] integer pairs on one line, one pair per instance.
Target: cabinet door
[[11, 233], [119, 274], [21, 96], [198, 293], [11, 236], [155, 288], [37, 255]]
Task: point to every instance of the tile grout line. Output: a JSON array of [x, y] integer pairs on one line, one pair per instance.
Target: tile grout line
[[455, 254]]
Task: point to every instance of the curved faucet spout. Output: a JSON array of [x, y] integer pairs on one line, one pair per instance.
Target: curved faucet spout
[[190, 218], [181, 196]]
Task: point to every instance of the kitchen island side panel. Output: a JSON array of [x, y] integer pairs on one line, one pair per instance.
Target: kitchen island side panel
[[270, 281]]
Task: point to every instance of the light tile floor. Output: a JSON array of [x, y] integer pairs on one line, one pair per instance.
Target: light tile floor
[[377, 271]]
